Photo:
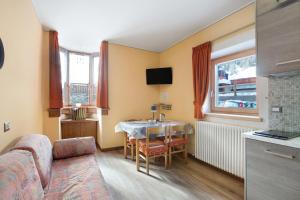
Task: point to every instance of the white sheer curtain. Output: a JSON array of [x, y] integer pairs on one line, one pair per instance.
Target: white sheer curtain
[[234, 42]]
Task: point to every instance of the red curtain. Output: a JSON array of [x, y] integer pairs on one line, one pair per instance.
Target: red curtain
[[201, 74], [55, 92], [102, 91]]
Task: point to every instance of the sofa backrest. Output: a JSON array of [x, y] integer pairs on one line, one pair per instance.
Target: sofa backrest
[[19, 178], [73, 147], [41, 149]]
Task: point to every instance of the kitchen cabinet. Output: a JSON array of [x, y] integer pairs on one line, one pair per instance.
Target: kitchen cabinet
[[272, 171], [277, 36], [79, 128]]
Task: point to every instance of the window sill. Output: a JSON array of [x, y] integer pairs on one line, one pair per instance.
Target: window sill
[[67, 110], [251, 118]]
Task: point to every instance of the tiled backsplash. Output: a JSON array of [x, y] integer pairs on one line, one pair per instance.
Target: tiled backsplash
[[285, 92]]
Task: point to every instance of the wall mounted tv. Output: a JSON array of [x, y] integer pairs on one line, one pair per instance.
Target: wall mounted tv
[[159, 76]]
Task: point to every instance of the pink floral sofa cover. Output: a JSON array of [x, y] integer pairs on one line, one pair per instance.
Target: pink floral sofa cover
[[41, 149], [19, 178], [74, 147], [70, 172]]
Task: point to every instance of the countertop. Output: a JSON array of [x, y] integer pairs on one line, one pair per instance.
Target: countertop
[[295, 142]]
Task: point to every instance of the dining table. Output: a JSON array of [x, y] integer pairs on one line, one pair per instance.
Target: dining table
[[138, 129]]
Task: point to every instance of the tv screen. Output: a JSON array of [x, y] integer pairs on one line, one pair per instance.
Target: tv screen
[[159, 76]]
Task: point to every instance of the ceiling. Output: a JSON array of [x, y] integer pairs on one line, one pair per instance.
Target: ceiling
[[153, 25]]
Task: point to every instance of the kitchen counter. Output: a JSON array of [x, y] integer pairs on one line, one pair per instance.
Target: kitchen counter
[[295, 142]]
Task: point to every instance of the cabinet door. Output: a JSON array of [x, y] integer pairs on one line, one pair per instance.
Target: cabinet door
[[272, 171], [89, 128], [70, 130], [278, 36]]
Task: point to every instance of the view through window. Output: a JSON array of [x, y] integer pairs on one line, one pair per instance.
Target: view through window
[[79, 77], [235, 82]]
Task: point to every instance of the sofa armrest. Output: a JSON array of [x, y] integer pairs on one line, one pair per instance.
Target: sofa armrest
[[73, 147]]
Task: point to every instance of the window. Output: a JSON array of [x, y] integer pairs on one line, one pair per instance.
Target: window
[[79, 77], [95, 78], [64, 77], [233, 83]]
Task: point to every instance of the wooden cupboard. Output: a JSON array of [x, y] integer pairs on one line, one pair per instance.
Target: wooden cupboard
[[79, 128], [272, 171], [278, 36]]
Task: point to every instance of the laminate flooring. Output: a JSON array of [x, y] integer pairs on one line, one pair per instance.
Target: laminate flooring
[[191, 180]]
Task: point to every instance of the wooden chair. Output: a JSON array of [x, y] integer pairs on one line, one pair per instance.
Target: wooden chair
[[152, 147], [129, 143], [177, 141]]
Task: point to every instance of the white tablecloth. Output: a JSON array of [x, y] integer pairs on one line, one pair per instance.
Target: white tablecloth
[[137, 129]]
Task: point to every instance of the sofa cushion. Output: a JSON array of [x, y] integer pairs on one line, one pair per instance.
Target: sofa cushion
[[19, 178], [76, 178], [41, 149], [72, 147]]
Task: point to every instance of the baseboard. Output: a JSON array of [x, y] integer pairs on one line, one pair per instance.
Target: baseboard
[[216, 168], [110, 148]]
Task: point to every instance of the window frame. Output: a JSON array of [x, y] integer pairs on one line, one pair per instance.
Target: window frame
[[91, 77], [214, 62]]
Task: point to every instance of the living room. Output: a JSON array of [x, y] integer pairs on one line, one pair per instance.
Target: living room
[[147, 99]]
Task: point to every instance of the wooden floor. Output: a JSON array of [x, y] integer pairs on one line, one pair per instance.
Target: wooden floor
[[183, 181]]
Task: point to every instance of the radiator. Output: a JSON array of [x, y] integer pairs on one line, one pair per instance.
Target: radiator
[[221, 146]]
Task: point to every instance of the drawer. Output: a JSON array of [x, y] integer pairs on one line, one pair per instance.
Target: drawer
[[272, 171]]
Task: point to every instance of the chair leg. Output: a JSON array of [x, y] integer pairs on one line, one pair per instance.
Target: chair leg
[[147, 164], [166, 160], [137, 155], [170, 156], [185, 153], [132, 153], [125, 145]]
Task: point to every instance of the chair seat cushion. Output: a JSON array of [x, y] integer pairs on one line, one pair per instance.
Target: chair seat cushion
[[76, 178], [132, 140], [19, 178], [178, 141], [156, 147]]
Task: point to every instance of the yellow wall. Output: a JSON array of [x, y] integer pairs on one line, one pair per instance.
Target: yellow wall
[[20, 78], [129, 96], [180, 93]]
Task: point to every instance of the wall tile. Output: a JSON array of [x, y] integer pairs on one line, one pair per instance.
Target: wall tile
[[285, 92]]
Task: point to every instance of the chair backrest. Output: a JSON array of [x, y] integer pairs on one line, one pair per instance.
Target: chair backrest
[[177, 130], [154, 133]]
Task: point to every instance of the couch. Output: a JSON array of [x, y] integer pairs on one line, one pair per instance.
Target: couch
[[34, 169]]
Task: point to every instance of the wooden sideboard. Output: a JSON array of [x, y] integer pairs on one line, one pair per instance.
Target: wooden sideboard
[[79, 128]]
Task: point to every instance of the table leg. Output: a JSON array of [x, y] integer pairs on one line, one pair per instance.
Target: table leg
[[137, 155], [132, 151], [125, 145]]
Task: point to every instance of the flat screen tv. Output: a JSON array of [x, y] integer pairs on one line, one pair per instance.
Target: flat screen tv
[[159, 76]]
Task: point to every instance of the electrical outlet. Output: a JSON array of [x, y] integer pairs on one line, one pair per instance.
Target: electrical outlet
[[277, 109], [6, 126]]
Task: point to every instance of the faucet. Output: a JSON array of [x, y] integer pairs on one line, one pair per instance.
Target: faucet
[[162, 117]]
